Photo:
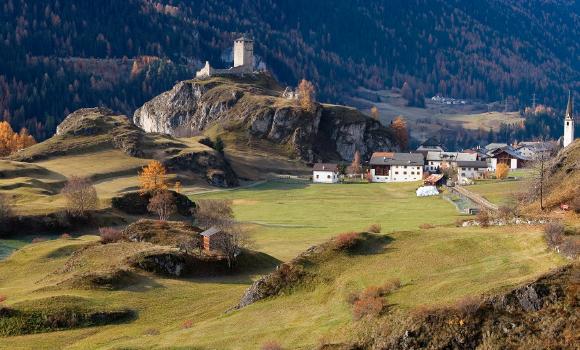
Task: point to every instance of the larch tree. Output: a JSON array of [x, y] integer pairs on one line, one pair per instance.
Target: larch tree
[[11, 141], [502, 171], [153, 177], [355, 167], [400, 132], [306, 95], [375, 113]]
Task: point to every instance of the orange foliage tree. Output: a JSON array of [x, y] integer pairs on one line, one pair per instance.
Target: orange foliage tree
[[306, 94], [399, 127], [11, 141], [375, 113], [153, 177], [501, 171]]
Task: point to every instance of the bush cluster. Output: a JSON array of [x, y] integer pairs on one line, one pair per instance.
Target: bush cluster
[[110, 235], [554, 232], [374, 228], [371, 301], [346, 241]]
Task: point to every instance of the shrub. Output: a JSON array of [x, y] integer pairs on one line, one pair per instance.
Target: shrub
[[468, 305], [368, 307], [507, 212], [570, 247], [390, 286], [427, 226], [483, 217], [65, 236], [187, 324], [346, 240], [271, 345], [81, 196], [110, 235], [3, 298], [554, 232], [374, 228]]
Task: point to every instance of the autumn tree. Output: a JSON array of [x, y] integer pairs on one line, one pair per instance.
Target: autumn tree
[[355, 167], [306, 93], [162, 204], [501, 171], [153, 177], [81, 196], [375, 113], [11, 141], [400, 132]]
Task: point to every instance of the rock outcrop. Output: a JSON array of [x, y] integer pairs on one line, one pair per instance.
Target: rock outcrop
[[255, 105]]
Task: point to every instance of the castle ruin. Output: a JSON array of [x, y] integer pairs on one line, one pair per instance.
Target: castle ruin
[[243, 61]]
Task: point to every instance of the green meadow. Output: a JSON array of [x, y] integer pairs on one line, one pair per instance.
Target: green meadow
[[436, 266]]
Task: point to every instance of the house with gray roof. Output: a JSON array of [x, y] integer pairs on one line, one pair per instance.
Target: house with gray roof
[[396, 167]]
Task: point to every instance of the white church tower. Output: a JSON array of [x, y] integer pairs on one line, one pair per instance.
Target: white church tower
[[569, 121], [244, 53]]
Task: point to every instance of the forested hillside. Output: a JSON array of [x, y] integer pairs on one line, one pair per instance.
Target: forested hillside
[[57, 56]]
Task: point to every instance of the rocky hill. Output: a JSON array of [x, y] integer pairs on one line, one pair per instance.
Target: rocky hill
[[255, 106]]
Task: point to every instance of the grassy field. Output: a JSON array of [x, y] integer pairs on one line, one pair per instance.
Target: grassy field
[[501, 192], [435, 266]]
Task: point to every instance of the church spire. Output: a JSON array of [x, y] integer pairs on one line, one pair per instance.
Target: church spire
[[570, 107]]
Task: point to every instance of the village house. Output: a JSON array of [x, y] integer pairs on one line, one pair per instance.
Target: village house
[[213, 238], [325, 173], [508, 156], [396, 167], [243, 61], [435, 161], [470, 169], [533, 150]]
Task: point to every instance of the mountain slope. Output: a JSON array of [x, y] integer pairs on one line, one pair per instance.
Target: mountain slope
[[486, 50]]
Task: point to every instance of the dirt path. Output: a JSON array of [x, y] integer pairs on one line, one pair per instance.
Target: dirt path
[[476, 198]]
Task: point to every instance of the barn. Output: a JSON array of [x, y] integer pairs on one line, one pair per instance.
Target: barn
[[212, 239]]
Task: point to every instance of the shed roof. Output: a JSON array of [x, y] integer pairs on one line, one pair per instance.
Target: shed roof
[[210, 232], [325, 167], [383, 158]]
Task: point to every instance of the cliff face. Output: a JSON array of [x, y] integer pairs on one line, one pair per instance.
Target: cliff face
[[254, 105]]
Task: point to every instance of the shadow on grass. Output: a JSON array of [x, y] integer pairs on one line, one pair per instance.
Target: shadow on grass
[[372, 244]]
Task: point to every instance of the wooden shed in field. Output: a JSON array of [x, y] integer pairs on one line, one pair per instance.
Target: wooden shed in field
[[212, 238]]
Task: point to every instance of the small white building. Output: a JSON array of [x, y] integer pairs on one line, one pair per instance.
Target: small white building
[[471, 169], [434, 161], [325, 173], [396, 167]]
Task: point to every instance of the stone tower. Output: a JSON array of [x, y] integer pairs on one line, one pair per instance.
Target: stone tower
[[244, 53], [569, 121]]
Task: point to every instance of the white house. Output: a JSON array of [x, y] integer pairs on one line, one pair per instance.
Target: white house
[[325, 173], [435, 160], [470, 169], [396, 167]]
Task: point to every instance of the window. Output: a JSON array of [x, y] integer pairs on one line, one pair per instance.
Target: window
[[328, 176], [317, 176], [412, 173], [462, 174], [404, 172], [396, 173]]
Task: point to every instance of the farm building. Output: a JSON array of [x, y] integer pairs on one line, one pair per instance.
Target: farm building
[[213, 238], [437, 160], [506, 155], [325, 173], [396, 167], [470, 169]]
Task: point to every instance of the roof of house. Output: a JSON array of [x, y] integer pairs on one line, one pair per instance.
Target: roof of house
[[384, 158], [495, 145], [451, 156], [244, 38], [210, 232], [472, 164], [510, 151], [325, 167]]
